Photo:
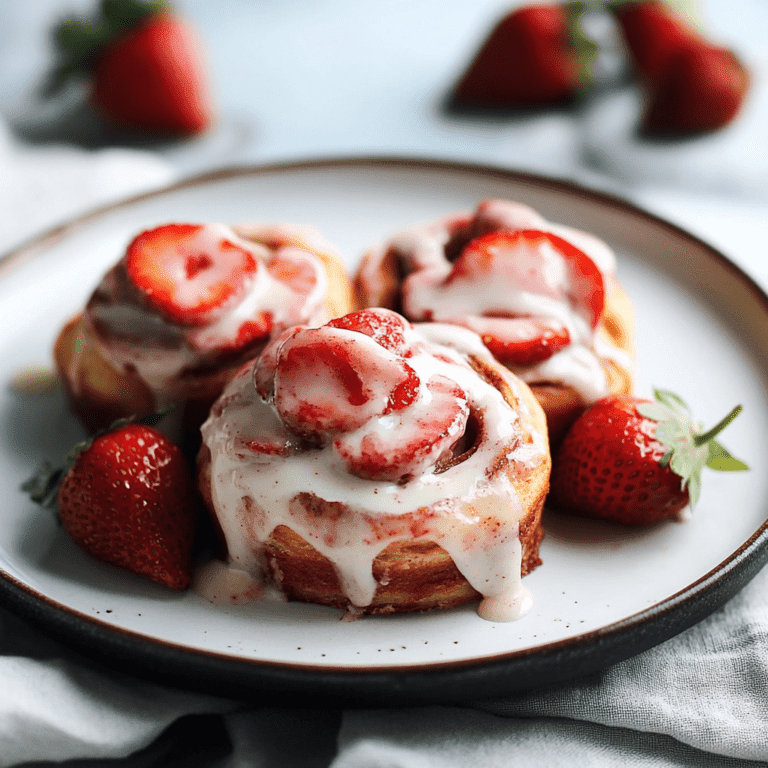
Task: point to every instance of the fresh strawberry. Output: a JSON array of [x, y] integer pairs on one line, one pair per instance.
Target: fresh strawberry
[[636, 461], [128, 499], [189, 271], [701, 91], [146, 66], [533, 57], [653, 32], [690, 85]]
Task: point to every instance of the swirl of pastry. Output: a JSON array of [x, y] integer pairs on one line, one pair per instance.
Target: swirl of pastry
[[543, 297], [184, 307], [381, 467]]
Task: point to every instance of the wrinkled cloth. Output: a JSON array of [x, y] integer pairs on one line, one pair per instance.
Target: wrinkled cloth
[[700, 699]]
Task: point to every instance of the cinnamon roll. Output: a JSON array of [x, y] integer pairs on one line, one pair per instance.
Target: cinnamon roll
[[378, 466], [182, 310], [543, 297]]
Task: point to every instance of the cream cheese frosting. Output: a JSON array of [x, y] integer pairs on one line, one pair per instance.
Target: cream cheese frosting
[[132, 335]]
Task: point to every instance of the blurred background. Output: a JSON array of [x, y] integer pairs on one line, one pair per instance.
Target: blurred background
[[295, 79], [299, 78]]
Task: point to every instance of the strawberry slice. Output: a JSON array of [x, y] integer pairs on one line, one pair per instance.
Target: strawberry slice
[[292, 267], [532, 261], [520, 340], [188, 271], [384, 326], [264, 369], [395, 451], [330, 380]]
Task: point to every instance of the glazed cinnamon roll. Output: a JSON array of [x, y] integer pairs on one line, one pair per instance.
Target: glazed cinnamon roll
[[379, 467], [184, 307], [543, 297]]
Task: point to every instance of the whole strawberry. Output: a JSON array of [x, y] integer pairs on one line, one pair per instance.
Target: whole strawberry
[[690, 85], [636, 461], [128, 499], [535, 56], [145, 67]]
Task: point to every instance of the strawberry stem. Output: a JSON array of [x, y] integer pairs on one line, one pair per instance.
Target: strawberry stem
[[705, 437], [585, 49]]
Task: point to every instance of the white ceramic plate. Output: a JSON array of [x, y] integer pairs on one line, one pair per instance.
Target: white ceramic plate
[[603, 593]]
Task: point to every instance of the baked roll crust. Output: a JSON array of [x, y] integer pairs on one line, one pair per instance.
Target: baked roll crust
[[450, 270], [421, 488], [135, 348]]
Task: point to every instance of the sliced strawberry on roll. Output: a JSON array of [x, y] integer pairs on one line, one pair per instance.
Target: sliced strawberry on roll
[[184, 308], [543, 297], [188, 272], [521, 290], [348, 384]]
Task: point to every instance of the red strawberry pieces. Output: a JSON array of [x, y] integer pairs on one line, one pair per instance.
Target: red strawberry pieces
[[153, 77], [189, 273], [326, 381], [492, 271], [523, 260], [408, 447], [349, 384], [691, 86], [528, 60], [635, 461], [145, 63], [520, 340], [129, 500], [384, 327]]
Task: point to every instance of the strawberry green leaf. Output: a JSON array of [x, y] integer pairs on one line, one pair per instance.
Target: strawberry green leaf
[[42, 486], [719, 458], [80, 42], [655, 411], [671, 400], [689, 449]]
